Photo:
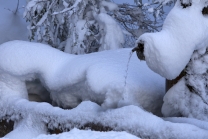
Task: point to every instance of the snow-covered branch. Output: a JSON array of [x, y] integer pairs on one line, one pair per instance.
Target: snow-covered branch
[[76, 27]]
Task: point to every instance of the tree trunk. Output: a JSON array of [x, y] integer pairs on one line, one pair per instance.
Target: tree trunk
[[170, 83]]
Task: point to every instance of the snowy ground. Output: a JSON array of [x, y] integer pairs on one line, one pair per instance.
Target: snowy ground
[[98, 74], [98, 77]]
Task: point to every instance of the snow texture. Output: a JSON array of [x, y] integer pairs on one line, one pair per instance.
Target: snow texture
[[96, 76], [80, 134], [113, 38], [111, 6], [99, 77], [189, 96], [198, 123], [185, 29], [132, 119]]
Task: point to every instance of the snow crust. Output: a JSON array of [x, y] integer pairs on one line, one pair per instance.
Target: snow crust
[[185, 29]]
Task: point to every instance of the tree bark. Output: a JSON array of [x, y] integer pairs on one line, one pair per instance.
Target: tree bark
[[170, 83]]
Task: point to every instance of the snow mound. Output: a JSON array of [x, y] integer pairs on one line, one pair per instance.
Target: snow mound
[[184, 30], [99, 77], [131, 119]]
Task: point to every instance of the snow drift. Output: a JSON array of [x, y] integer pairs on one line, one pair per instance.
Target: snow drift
[[99, 77]]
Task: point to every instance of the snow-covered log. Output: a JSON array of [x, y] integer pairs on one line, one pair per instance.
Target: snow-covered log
[[130, 118]]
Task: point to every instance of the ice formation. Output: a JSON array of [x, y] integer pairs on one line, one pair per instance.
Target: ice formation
[[185, 29]]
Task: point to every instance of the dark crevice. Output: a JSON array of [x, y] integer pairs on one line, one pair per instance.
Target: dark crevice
[[205, 11], [91, 126], [5, 127], [191, 89], [185, 5], [139, 51]]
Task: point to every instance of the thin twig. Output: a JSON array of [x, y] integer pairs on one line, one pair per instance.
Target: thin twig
[[17, 7]]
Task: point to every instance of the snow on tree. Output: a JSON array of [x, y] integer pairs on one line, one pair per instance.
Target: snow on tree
[[77, 27], [144, 16], [88, 26], [97, 77], [188, 97], [176, 42], [95, 74], [182, 41]]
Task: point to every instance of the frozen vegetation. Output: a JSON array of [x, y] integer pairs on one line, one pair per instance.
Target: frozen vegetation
[[183, 49], [110, 89], [184, 30]]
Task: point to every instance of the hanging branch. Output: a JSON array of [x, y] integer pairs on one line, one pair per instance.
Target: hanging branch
[[17, 7]]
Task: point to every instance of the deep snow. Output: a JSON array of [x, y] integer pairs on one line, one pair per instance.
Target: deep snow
[[184, 30], [98, 77]]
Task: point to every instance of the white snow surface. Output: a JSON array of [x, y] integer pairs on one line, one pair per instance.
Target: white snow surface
[[114, 37], [198, 123], [132, 119], [88, 134], [185, 29], [111, 6], [188, 97], [99, 77]]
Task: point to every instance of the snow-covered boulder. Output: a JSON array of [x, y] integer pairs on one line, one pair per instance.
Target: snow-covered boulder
[[185, 29]]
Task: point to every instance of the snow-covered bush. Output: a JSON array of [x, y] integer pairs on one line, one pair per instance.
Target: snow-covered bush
[[77, 26], [188, 98], [144, 16], [85, 26], [167, 52]]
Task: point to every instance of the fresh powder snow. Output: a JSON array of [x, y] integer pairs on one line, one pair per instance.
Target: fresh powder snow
[[98, 77], [94, 84], [185, 29]]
